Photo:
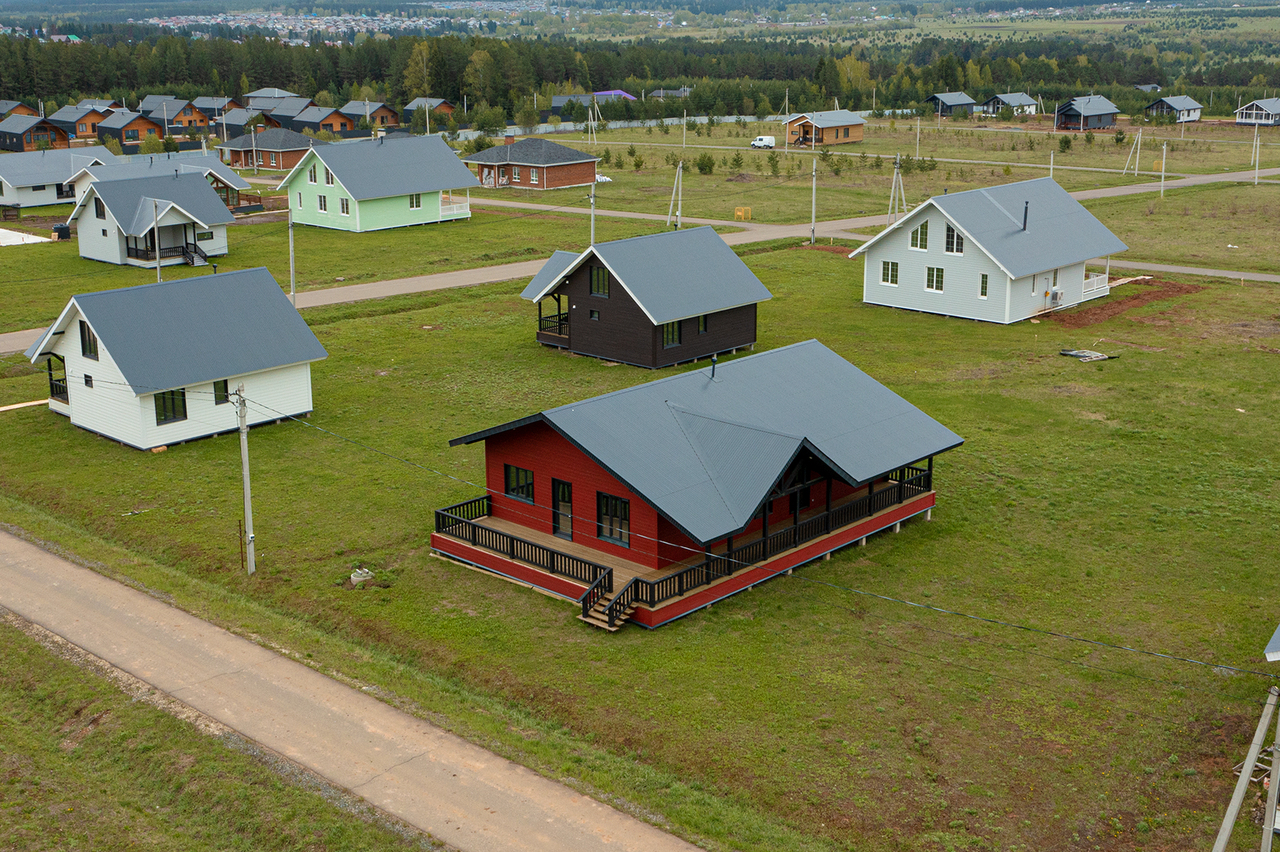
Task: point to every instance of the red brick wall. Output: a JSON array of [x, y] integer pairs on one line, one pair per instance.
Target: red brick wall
[[539, 448], [243, 159], [570, 175]]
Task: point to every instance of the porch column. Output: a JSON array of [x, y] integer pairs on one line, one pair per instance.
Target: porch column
[[828, 511], [764, 524], [929, 480]]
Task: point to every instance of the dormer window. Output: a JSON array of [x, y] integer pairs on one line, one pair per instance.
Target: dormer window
[[311, 174], [955, 242], [920, 237]]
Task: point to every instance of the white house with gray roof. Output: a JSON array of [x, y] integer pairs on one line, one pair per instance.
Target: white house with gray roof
[[125, 221], [1020, 102], [1182, 107], [222, 177], [1264, 112], [156, 365], [36, 178], [381, 183], [1000, 254]]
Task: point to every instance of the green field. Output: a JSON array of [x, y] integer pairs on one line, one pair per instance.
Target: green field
[[37, 280], [1222, 226], [1130, 502], [86, 766]]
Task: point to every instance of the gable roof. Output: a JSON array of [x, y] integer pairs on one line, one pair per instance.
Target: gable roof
[[193, 330], [130, 201], [531, 151], [120, 118], [165, 109], [830, 118], [1271, 105], [238, 117], [312, 115], [164, 165], [952, 99], [551, 273], [20, 124], [99, 104], [70, 114], [290, 107], [59, 165], [1059, 230], [270, 93], [429, 103], [151, 102], [355, 109], [671, 275], [706, 452], [1178, 102], [1090, 105], [391, 166], [208, 102], [274, 139], [1014, 99], [8, 106]]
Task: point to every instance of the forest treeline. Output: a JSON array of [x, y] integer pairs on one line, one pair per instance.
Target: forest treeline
[[729, 77]]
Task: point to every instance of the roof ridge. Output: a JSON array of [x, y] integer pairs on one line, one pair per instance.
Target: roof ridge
[[675, 411]]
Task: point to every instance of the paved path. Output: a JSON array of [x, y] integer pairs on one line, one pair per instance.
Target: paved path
[[460, 793], [1188, 270]]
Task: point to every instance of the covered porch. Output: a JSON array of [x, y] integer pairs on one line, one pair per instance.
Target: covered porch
[[611, 590], [553, 320], [178, 244]]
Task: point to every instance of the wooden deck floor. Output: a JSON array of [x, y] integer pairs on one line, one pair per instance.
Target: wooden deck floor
[[624, 569]]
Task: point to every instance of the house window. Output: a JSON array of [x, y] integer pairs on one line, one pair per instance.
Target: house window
[[415, 201], [299, 200], [889, 272], [88, 341], [671, 334], [562, 509], [323, 203], [702, 324], [328, 177], [311, 175], [171, 406], [131, 136], [260, 160], [99, 209], [920, 237], [515, 173], [40, 187], [955, 242], [204, 236], [104, 232], [933, 278], [982, 288], [88, 381], [345, 206], [273, 158], [600, 281], [533, 175], [519, 483], [595, 315], [846, 133], [613, 519], [81, 128], [221, 396]]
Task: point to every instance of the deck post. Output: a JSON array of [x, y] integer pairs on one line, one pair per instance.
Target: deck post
[[928, 514], [929, 481], [897, 527], [862, 542]]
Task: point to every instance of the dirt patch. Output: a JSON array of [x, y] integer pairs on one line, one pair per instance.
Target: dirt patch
[[1154, 290], [741, 177]]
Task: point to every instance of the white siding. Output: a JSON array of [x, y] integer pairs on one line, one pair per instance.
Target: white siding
[[93, 244], [109, 407], [286, 390], [1028, 300], [962, 274], [25, 196]]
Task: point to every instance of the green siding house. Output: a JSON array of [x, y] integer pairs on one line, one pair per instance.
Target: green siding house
[[379, 183]]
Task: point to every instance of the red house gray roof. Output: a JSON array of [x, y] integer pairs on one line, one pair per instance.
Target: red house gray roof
[[530, 151], [705, 452]]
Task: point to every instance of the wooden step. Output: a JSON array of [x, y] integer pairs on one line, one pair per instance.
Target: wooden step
[[598, 617]]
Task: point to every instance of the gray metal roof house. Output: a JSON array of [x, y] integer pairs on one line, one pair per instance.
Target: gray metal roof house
[[1183, 107], [142, 221], [372, 184], [221, 177], [158, 364], [532, 162], [1020, 102], [234, 123], [703, 477], [999, 254], [1264, 112], [1091, 112], [35, 178], [437, 104], [78, 121], [651, 301], [946, 103], [828, 127], [31, 133]]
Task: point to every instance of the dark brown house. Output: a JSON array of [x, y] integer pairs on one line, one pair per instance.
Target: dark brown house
[[650, 301], [31, 133]]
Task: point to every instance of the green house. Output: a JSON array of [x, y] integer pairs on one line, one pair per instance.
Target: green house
[[379, 183]]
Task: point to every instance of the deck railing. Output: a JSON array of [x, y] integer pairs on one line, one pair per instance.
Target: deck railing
[[555, 324], [58, 389], [457, 208], [459, 521], [1094, 283]]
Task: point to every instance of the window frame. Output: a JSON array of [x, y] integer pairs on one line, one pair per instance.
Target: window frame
[[171, 406], [889, 273], [322, 203], [533, 175], [515, 483], [933, 278], [328, 177], [671, 334], [599, 287], [702, 323], [221, 393], [311, 174], [558, 517], [415, 201], [617, 511], [99, 209], [983, 284], [344, 206], [88, 341], [920, 237], [954, 243], [593, 315]]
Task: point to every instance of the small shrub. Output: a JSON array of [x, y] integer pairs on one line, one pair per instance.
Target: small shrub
[[664, 129], [606, 156], [1007, 171], [631, 151], [1064, 143], [736, 162], [1119, 137], [706, 164], [775, 163], [1088, 138], [638, 162]]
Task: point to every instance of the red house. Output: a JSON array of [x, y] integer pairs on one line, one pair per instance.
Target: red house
[[533, 163], [649, 503]]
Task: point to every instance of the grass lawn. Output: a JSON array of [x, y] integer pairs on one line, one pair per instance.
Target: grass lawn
[[37, 280], [1130, 501], [85, 766], [1196, 225]]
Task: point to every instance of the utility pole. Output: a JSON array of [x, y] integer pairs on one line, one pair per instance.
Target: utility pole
[[242, 409], [1164, 155], [786, 119], [917, 139], [813, 216], [593, 213], [675, 193], [684, 129], [155, 225], [1257, 154], [897, 195], [1051, 163], [293, 281], [679, 193], [253, 136]]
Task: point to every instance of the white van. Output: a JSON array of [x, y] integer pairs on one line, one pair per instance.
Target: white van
[[763, 142]]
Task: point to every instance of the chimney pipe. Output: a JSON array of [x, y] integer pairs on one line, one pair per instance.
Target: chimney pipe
[[713, 366], [1026, 205]]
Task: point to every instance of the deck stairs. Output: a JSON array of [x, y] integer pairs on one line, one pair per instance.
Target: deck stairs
[[599, 616]]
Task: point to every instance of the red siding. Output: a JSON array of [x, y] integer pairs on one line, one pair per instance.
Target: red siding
[[539, 448]]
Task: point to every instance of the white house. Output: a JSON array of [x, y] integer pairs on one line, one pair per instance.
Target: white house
[[124, 221], [1183, 107], [1000, 254], [36, 178], [1264, 112], [1020, 102], [158, 364], [221, 177]]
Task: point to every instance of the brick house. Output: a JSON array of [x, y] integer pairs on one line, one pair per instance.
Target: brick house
[[533, 163], [273, 148]]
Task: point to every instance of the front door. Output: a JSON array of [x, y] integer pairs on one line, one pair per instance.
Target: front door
[[562, 508]]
